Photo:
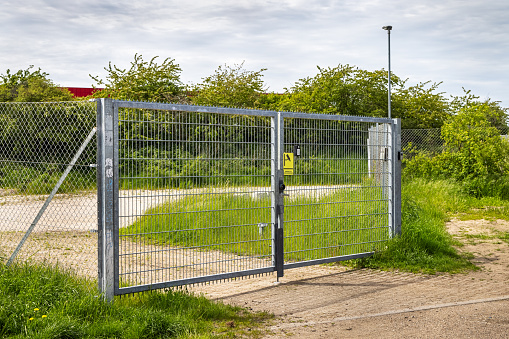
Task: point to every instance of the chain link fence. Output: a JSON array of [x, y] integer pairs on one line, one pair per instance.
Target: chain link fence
[[429, 141], [48, 194]]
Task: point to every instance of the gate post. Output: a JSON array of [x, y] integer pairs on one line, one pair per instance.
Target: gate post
[[107, 195], [396, 177], [277, 196]]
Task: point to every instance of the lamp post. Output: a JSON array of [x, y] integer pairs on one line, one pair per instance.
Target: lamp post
[[388, 29]]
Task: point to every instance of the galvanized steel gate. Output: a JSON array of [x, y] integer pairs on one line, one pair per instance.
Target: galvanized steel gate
[[190, 194]]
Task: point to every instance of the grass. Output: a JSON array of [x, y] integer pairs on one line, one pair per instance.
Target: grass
[[41, 180], [343, 222], [425, 246], [39, 301]]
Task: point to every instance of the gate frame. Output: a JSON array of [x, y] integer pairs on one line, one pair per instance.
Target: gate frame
[[108, 190]]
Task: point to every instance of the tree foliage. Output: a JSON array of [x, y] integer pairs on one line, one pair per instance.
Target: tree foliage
[[344, 90], [475, 154], [421, 106], [348, 90], [232, 86], [30, 86], [143, 81]]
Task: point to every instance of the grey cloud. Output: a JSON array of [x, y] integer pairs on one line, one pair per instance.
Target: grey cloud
[[455, 42]]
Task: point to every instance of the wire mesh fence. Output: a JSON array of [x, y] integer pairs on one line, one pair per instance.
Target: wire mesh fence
[[195, 194], [427, 140], [431, 141], [38, 143], [184, 194]]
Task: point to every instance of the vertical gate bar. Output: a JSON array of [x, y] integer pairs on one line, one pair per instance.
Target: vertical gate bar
[[100, 192], [277, 196], [396, 177], [274, 180], [116, 212], [105, 155]]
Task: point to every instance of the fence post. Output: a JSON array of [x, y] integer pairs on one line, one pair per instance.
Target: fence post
[[396, 177], [107, 193], [277, 196]]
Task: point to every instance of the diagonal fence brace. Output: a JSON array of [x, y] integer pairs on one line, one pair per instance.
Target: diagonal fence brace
[[52, 194]]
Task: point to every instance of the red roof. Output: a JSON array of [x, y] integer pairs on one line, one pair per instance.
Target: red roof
[[79, 92]]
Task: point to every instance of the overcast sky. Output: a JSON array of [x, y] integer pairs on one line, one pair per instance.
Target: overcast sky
[[464, 43]]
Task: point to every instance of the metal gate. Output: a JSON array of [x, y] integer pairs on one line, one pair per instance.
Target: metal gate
[[190, 194]]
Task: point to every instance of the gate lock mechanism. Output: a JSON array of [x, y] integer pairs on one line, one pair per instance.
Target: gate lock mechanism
[[282, 188]]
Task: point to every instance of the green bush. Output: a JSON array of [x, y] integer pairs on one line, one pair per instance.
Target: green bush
[[475, 155]]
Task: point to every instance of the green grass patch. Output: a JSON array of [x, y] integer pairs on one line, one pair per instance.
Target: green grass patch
[[347, 221], [425, 245], [504, 236], [45, 302]]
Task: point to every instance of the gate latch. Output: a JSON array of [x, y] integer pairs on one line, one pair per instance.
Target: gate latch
[[281, 187], [261, 227]]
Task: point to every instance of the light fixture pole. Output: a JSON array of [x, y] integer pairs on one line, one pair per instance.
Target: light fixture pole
[[388, 29]]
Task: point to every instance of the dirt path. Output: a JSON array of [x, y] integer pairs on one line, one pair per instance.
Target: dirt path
[[323, 301], [319, 302]]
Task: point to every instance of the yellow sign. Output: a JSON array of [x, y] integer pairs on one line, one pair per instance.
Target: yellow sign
[[288, 163]]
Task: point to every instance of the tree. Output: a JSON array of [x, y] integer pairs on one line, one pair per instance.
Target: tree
[[143, 81], [344, 90], [494, 113], [231, 86], [421, 106], [30, 86]]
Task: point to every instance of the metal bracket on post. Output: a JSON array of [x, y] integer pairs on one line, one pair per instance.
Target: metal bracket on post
[[106, 186]]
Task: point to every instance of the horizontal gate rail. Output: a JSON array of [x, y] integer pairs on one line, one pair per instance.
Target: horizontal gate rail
[[193, 108]]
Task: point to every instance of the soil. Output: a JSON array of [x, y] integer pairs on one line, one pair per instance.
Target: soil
[[337, 302]]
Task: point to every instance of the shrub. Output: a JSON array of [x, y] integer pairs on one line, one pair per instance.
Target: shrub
[[474, 154]]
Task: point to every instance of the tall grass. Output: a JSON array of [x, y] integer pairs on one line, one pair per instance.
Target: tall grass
[[44, 302], [349, 220], [425, 245]]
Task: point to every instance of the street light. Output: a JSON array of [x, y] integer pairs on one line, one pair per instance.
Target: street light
[[388, 29]]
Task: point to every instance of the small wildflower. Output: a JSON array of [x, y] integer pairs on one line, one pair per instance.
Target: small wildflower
[[36, 309], [31, 319], [44, 316]]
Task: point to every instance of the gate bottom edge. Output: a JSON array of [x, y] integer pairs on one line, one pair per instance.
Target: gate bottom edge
[[327, 260], [189, 281]]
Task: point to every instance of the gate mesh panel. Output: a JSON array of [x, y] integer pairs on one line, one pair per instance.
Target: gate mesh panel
[[338, 196], [195, 195]]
